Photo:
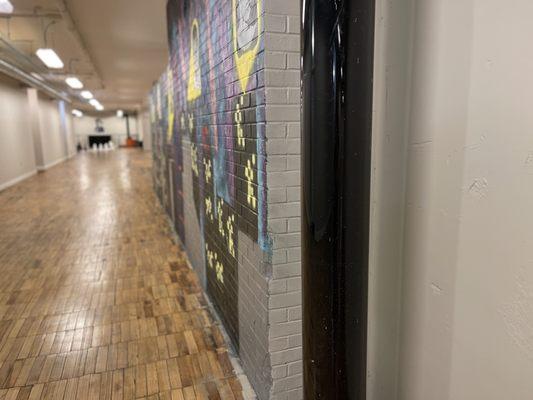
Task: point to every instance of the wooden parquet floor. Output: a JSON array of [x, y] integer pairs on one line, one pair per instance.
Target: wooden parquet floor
[[96, 300]]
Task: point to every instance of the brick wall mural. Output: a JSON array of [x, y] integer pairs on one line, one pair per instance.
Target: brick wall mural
[[210, 103], [225, 126]]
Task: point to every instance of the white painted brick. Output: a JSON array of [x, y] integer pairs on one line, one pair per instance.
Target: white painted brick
[[275, 23], [282, 130], [295, 225], [286, 240], [276, 163], [293, 146], [276, 146], [277, 225], [277, 286], [280, 371], [293, 60], [282, 328], [293, 130], [295, 314], [282, 113], [293, 162], [279, 318], [295, 368], [288, 178], [294, 95], [279, 256], [278, 344], [276, 95], [275, 60], [288, 383], [293, 194], [295, 341], [281, 41], [276, 130], [293, 25], [284, 210], [288, 270], [285, 300], [286, 356], [286, 7], [294, 254], [282, 78], [294, 284], [294, 394]]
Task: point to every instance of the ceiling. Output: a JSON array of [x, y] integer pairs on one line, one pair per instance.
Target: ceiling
[[117, 48]]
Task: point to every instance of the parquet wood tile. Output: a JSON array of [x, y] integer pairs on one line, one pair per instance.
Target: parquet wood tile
[[96, 300]]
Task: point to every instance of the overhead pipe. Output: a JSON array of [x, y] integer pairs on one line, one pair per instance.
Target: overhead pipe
[[52, 15], [19, 57], [337, 42], [18, 74]]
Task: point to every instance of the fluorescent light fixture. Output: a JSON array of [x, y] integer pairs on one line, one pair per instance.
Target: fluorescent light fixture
[[96, 104], [120, 113], [74, 82], [77, 113], [6, 7], [50, 58], [86, 95]]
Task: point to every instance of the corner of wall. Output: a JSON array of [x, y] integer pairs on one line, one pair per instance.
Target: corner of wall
[[282, 90]]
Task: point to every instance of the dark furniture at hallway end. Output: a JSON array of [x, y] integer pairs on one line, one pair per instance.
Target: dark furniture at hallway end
[[99, 139]]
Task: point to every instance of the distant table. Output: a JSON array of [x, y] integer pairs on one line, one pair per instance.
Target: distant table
[[99, 139]]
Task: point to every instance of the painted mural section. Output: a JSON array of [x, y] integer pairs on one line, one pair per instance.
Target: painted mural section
[[208, 126]]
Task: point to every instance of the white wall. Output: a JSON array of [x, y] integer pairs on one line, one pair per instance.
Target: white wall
[[492, 340], [32, 136], [17, 159], [145, 130], [113, 126], [466, 274], [54, 145], [71, 138]]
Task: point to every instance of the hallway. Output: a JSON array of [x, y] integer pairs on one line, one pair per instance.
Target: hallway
[[96, 299]]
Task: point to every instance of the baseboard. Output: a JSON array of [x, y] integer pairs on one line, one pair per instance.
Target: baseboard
[[12, 182], [52, 164]]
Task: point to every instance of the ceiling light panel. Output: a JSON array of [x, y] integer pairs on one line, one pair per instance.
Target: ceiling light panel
[[74, 82], [6, 7], [86, 94], [50, 58]]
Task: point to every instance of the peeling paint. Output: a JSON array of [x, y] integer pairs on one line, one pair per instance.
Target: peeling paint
[[436, 289], [479, 187]]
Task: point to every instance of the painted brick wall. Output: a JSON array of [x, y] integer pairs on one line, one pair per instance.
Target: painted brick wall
[[225, 132], [282, 80]]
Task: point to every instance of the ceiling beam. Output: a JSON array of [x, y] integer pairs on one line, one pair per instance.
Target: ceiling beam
[[73, 30]]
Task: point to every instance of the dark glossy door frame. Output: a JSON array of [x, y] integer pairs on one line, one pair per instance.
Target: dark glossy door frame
[[337, 71]]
